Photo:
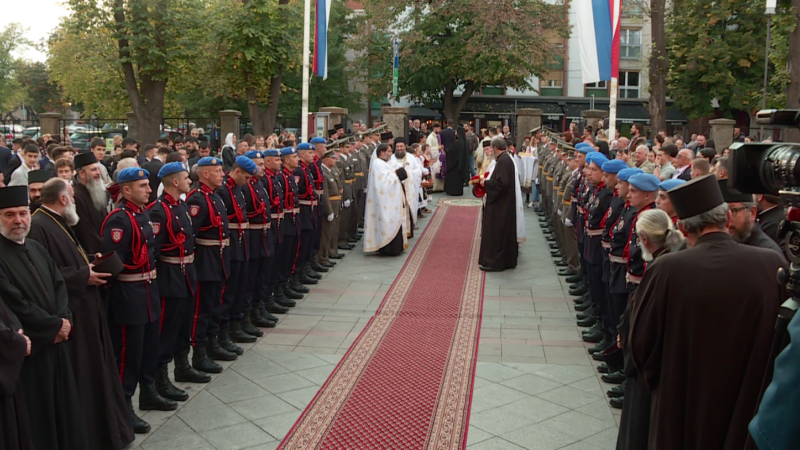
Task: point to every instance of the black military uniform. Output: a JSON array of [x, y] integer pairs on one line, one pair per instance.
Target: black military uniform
[[258, 215], [319, 185], [597, 207], [275, 301], [307, 219], [288, 248]]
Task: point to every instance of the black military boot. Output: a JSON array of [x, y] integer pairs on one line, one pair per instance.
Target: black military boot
[[138, 424], [303, 278], [247, 325], [584, 315], [611, 378], [309, 272], [328, 264], [617, 391], [281, 299], [166, 389], [587, 322], [318, 267], [603, 345], [149, 399], [603, 368], [217, 351], [262, 311], [295, 284], [593, 336], [594, 328], [583, 306], [184, 372], [580, 291], [271, 307], [574, 278], [258, 319], [202, 363], [290, 293], [238, 335], [226, 343]]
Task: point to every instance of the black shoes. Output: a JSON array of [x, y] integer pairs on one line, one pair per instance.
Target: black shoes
[[270, 307], [289, 293], [583, 306], [587, 322], [328, 264], [617, 402], [317, 267], [556, 254], [345, 247], [577, 278], [201, 362], [215, 349], [489, 269], [580, 291], [593, 336], [566, 272], [138, 424], [184, 372], [311, 273], [612, 378], [305, 279], [165, 388], [352, 240], [602, 368], [281, 297], [561, 263], [150, 399], [616, 391], [602, 345], [259, 318], [336, 256], [247, 325], [238, 335], [295, 285]]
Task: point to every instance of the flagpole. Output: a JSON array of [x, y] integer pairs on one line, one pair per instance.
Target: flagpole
[[306, 43]]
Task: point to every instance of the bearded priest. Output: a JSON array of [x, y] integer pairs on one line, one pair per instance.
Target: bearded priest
[[412, 185], [386, 221]]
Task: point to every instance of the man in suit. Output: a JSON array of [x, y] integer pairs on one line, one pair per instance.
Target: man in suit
[[153, 166], [15, 160], [414, 134], [684, 163], [448, 135], [5, 153]]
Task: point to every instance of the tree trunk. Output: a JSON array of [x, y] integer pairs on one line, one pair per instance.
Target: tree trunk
[[659, 65], [452, 107], [793, 91], [257, 115]]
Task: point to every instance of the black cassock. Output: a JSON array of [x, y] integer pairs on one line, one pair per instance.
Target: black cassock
[[32, 287], [14, 428], [92, 355], [88, 229], [499, 235], [456, 162]]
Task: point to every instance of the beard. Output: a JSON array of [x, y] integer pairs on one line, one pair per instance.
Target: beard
[[98, 193], [646, 255], [70, 214], [741, 236], [15, 233]]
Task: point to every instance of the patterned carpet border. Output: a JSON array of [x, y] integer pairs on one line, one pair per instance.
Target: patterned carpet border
[[448, 425]]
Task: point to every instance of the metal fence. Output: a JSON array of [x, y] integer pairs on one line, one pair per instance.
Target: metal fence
[[12, 128]]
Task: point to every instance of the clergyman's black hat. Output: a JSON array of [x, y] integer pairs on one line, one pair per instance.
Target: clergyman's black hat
[[13, 196], [38, 176], [732, 197], [695, 197], [385, 136], [84, 159]]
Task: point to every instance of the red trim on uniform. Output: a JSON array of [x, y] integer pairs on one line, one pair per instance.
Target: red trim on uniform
[[196, 313], [222, 297], [122, 356], [161, 320]]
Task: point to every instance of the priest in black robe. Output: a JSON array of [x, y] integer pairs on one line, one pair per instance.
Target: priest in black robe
[[456, 163], [32, 287], [14, 428], [499, 247], [92, 355], [91, 201]]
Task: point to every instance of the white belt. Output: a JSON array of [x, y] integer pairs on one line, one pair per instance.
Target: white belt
[[618, 259], [133, 277], [212, 242], [308, 202], [597, 232], [633, 279], [260, 226], [318, 191], [606, 244], [238, 226], [277, 215], [176, 259]]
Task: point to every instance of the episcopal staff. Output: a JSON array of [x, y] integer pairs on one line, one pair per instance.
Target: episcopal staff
[[34, 290], [91, 352]]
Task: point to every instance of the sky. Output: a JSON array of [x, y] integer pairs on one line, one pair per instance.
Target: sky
[[38, 17]]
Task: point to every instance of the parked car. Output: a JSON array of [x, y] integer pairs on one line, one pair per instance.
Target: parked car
[[33, 132], [82, 140], [12, 131]]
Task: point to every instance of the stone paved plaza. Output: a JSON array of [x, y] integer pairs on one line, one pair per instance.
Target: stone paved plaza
[[535, 388]]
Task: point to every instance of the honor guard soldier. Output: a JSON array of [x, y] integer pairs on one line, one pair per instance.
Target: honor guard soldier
[[334, 249], [359, 190], [579, 189], [319, 190], [331, 207], [346, 169], [133, 301], [319, 262], [259, 217], [288, 248], [177, 279], [275, 302], [234, 325], [212, 263], [570, 245], [615, 207], [307, 220]]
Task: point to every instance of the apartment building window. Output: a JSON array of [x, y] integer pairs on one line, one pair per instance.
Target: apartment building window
[[630, 43], [629, 84], [598, 85], [554, 83]]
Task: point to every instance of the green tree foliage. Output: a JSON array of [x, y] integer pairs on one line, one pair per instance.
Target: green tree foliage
[[459, 45], [716, 50], [11, 40], [41, 94]]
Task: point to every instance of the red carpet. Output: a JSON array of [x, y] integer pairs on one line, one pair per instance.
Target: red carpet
[[406, 382]]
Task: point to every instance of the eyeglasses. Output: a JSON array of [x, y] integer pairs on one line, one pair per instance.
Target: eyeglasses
[[734, 211]]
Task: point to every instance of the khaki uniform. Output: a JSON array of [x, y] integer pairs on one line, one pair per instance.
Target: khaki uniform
[[348, 174], [359, 191], [331, 204]]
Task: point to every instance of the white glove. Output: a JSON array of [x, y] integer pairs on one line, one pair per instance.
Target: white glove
[[559, 212], [568, 223], [330, 217], [347, 203]]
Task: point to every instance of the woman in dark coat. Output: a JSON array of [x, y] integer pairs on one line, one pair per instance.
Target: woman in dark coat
[[456, 162]]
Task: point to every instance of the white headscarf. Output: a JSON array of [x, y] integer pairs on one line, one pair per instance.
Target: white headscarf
[[385, 207], [229, 141]]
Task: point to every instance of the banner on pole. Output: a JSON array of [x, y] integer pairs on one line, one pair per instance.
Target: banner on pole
[[598, 36], [396, 72]]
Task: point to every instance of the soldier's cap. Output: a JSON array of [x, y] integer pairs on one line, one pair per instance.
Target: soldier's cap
[[318, 140], [386, 135], [84, 159], [13, 196], [286, 151], [209, 161], [696, 196], [271, 152], [645, 182], [535, 130], [728, 195], [338, 126], [596, 157], [666, 185], [38, 176], [247, 165], [625, 174], [331, 132], [173, 167], [329, 153], [254, 154], [584, 148], [305, 146], [132, 174], [613, 166]]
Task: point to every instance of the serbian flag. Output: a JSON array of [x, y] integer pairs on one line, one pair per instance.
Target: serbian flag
[[320, 64], [598, 36]]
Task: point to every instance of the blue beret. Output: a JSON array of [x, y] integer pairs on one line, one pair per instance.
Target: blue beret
[[247, 165], [671, 183], [286, 151], [254, 154], [646, 182], [209, 161], [614, 166], [271, 152], [584, 148], [305, 146], [318, 140], [625, 174], [170, 168], [132, 174], [597, 158]]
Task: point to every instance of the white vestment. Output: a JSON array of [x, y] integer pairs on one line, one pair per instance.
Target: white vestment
[[522, 235], [386, 210], [412, 183]]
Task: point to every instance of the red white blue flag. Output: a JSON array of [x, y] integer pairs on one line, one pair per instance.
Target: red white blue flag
[[598, 35], [320, 63]]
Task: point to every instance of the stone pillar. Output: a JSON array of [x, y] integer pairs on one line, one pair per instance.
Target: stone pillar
[[229, 123], [721, 133], [527, 119], [592, 117], [335, 115], [133, 126], [396, 117], [50, 123]]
